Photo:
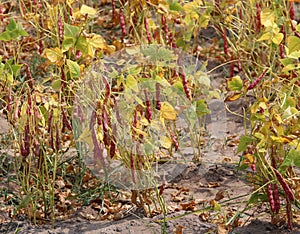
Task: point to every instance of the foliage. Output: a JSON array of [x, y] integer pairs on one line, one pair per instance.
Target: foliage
[[51, 46]]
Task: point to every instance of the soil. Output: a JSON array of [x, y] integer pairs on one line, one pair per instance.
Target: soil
[[186, 196]]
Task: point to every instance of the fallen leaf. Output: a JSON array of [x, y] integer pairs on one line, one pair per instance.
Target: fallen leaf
[[177, 199], [118, 216], [220, 195], [178, 229], [222, 229], [204, 216], [188, 206], [213, 184]]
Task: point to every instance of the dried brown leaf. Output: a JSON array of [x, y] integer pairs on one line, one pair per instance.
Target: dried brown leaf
[[213, 184], [220, 195], [178, 229], [189, 206]]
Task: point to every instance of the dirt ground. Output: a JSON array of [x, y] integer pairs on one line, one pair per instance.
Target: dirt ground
[[215, 178]]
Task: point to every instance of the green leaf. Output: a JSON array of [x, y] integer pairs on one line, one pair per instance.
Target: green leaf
[[254, 198], [235, 83], [291, 159], [56, 85], [132, 50], [202, 78], [13, 69], [13, 31], [201, 108], [5, 36], [293, 44], [132, 83], [74, 68], [21, 31], [165, 54], [71, 31], [82, 45], [286, 61], [244, 142], [67, 43], [175, 6], [11, 25], [135, 70], [16, 68]]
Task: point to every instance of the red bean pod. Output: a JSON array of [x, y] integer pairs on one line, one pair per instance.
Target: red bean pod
[[289, 214], [9, 100], [288, 192], [253, 167], [63, 79], [112, 148], [258, 17], [276, 198], [231, 68], [225, 41], [123, 23], [165, 26], [66, 122], [271, 197], [29, 76], [281, 51], [148, 113], [185, 84], [50, 116], [36, 148], [60, 27], [113, 6], [173, 138], [132, 165], [147, 30], [255, 82], [1, 14], [239, 65], [105, 126], [98, 150], [57, 138], [41, 46], [292, 10], [157, 96]]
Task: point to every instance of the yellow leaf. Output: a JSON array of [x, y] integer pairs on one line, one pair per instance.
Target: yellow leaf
[[140, 132], [167, 111], [97, 41], [132, 83], [233, 96], [86, 137], [249, 158], [263, 105], [166, 142], [267, 17], [265, 36], [278, 118], [144, 121], [277, 38], [70, 2], [86, 10], [55, 55], [281, 139]]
